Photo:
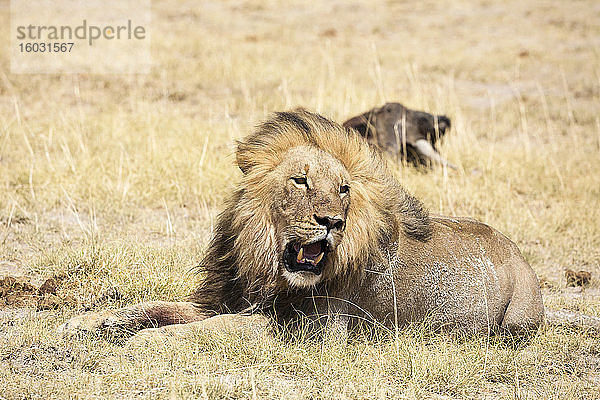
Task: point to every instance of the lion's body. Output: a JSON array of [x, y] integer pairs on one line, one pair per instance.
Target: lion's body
[[476, 281], [318, 226]]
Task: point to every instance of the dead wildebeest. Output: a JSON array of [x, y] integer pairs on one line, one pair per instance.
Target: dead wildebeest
[[410, 134]]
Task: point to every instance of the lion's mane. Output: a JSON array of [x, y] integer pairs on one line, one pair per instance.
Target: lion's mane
[[241, 268]]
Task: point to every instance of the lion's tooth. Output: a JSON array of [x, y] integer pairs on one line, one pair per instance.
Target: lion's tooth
[[300, 257], [319, 258]]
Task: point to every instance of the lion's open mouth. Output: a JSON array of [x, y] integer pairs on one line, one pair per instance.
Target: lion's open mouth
[[309, 257]]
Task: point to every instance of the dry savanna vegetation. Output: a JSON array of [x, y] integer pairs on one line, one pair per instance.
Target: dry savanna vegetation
[[110, 185]]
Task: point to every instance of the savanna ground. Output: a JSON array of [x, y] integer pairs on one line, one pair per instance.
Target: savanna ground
[[110, 185]]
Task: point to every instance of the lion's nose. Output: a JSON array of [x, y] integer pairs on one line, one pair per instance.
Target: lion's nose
[[330, 222]]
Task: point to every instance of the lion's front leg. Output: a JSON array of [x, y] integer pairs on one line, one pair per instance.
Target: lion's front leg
[[129, 320], [252, 326], [333, 318]]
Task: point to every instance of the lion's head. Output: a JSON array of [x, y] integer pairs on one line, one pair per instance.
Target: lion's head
[[316, 204], [308, 201]]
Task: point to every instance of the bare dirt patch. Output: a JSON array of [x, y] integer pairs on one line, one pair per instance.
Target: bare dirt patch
[[20, 292]]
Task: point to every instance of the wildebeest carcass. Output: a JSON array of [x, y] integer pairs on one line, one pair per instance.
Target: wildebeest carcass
[[407, 133]]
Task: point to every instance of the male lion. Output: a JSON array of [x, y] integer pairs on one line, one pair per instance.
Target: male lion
[[319, 227]]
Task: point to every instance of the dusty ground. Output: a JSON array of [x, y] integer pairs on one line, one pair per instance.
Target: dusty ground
[[110, 185]]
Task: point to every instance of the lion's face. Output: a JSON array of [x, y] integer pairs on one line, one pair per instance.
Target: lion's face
[[311, 200], [311, 209]]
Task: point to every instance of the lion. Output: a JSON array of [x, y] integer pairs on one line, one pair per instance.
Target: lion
[[319, 229]]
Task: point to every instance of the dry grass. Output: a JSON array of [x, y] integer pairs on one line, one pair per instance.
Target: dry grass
[[113, 182]]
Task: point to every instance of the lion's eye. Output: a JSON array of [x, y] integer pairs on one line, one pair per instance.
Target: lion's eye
[[299, 181], [344, 189]]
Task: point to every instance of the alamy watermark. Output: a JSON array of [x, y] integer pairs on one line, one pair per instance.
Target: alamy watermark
[[92, 36]]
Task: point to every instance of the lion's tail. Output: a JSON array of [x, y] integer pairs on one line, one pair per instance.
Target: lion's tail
[[572, 319]]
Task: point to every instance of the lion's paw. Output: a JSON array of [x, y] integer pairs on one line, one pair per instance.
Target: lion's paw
[[97, 323]]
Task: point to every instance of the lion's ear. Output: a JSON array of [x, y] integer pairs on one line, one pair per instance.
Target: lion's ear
[[241, 159], [243, 169]]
